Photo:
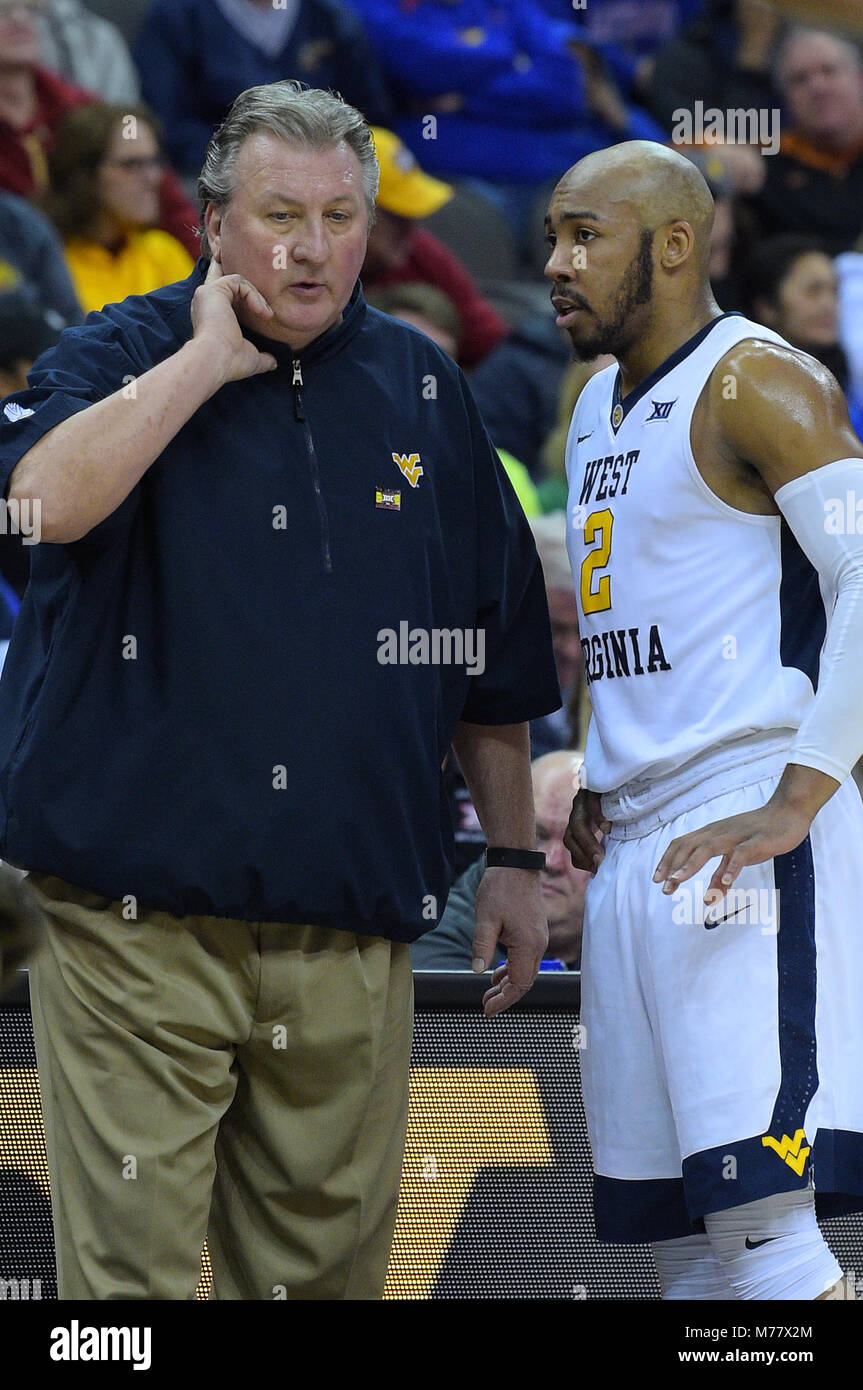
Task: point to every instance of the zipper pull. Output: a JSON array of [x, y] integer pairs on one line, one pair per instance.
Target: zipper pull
[[296, 382]]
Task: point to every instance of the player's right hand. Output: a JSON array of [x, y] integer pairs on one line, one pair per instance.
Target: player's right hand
[[587, 825], [214, 319]]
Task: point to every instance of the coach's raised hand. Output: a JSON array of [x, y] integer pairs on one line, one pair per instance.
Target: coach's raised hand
[[84, 468], [214, 321], [587, 825]]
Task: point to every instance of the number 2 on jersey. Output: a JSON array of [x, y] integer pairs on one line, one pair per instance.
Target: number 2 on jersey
[[596, 598]]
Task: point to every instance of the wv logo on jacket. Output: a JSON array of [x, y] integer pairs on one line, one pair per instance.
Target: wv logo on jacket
[[410, 466]]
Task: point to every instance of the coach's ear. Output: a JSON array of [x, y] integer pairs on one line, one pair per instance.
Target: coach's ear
[[679, 245], [213, 228]]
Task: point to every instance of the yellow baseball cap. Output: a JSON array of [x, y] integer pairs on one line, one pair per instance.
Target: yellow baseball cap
[[405, 189]]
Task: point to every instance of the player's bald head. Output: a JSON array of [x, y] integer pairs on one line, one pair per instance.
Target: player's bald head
[[639, 179]]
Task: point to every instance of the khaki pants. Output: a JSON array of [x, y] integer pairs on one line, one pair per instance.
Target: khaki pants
[[201, 1076]]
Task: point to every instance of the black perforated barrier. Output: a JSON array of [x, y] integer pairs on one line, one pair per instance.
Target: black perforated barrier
[[496, 1186]]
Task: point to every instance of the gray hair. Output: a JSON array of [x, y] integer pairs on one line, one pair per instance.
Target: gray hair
[[304, 116]]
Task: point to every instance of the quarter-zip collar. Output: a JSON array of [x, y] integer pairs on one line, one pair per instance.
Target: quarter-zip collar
[[319, 349]]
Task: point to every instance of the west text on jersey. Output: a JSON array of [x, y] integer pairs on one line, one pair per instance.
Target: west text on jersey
[[606, 475]]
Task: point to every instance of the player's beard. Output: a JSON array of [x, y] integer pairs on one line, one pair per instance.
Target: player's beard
[[616, 334]]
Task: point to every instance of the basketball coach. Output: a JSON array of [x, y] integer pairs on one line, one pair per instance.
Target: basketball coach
[[223, 717]]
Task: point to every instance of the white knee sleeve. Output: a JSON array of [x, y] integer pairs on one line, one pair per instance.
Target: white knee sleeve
[[688, 1268], [773, 1249]]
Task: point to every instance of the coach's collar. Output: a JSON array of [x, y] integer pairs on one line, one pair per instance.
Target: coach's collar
[[327, 345]]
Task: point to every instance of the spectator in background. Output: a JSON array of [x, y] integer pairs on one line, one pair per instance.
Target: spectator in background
[[730, 222], [499, 93], [104, 200], [26, 331], [722, 59], [33, 102], [517, 386], [627, 33], [553, 490], [195, 56], [547, 733], [87, 50], [401, 251], [849, 270], [790, 284], [31, 256], [449, 946], [814, 184], [567, 726], [723, 234], [427, 308], [723, 62]]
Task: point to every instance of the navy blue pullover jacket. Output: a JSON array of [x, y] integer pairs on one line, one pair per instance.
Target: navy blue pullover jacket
[[193, 709]]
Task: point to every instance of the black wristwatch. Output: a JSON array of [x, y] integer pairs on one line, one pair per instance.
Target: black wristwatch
[[497, 857]]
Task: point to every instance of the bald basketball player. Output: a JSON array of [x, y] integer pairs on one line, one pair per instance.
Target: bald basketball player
[[721, 617]]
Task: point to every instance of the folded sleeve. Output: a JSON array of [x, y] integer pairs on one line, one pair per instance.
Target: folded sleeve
[[88, 364], [519, 680]]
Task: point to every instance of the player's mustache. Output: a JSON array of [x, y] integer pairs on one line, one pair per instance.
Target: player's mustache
[[562, 302]]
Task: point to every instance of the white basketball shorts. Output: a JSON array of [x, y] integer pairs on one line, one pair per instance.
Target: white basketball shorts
[[723, 1063]]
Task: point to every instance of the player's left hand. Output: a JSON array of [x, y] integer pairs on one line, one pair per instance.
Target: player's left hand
[[509, 911], [749, 838]]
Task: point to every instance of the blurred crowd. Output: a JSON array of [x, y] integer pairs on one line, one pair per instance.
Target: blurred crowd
[[478, 107]]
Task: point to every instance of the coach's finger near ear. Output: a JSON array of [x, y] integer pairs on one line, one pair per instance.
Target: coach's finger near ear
[[240, 289]]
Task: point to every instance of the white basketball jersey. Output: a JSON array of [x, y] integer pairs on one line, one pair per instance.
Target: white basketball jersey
[[701, 625]]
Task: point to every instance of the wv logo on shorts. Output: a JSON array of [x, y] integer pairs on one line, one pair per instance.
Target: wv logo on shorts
[[794, 1151], [661, 410], [410, 466]]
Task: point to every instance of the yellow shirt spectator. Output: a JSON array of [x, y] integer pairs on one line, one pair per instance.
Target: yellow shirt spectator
[[147, 260]]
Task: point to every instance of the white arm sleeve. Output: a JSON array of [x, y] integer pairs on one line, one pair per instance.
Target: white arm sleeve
[[821, 509]]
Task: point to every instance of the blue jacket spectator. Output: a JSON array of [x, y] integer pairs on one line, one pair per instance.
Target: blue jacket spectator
[[196, 56], [517, 388], [31, 256], [627, 32], [511, 101]]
